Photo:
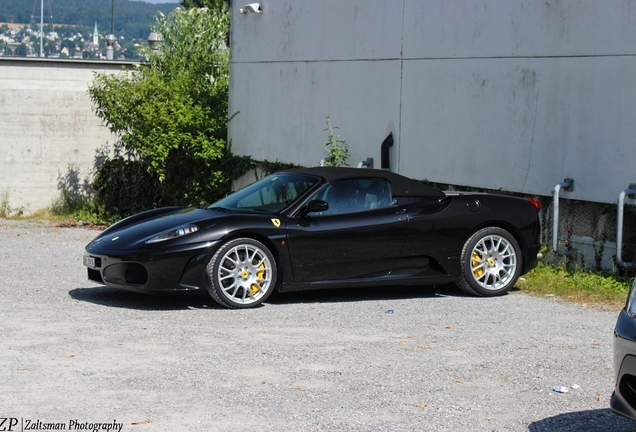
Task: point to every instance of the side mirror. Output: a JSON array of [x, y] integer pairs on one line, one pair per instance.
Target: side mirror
[[314, 206]]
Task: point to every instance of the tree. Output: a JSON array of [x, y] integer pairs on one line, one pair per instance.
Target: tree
[[69, 45], [21, 50], [170, 114], [211, 4]]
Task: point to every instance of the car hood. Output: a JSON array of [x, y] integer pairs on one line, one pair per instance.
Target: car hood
[[134, 235]]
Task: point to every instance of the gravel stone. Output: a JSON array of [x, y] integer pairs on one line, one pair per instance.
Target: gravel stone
[[311, 361]]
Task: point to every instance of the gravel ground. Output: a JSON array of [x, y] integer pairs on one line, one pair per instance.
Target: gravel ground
[[392, 359]]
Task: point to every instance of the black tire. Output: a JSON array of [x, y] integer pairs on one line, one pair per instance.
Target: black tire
[[241, 274], [491, 263]]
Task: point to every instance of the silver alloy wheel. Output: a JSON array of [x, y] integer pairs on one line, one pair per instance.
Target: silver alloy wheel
[[493, 262], [244, 274]]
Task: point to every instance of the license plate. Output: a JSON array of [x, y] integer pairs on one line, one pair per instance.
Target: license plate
[[89, 261]]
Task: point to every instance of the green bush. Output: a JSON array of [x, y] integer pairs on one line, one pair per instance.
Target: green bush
[[124, 187], [170, 116]]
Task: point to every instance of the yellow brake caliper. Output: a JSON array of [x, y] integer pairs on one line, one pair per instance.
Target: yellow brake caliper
[[475, 262], [260, 275]]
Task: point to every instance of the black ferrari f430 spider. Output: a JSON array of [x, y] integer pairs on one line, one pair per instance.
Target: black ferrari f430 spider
[[317, 228]]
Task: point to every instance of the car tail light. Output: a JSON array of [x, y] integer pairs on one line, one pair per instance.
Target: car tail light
[[535, 203]]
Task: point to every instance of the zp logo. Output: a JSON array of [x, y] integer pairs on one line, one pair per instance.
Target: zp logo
[[8, 423]]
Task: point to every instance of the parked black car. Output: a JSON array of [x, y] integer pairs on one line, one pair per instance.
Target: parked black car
[[322, 228], [623, 400]]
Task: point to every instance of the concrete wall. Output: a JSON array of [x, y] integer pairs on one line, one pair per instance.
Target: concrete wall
[[512, 94], [49, 135]]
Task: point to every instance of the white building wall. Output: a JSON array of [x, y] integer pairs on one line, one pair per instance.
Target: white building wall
[[47, 127], [495, 94], [300, 61]]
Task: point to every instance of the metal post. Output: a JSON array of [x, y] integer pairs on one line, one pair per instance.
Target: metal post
[[112, 17], [566, 185], [631, 194], [41, 27]]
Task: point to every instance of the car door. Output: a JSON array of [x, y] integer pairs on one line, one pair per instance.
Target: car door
[[359, 236]]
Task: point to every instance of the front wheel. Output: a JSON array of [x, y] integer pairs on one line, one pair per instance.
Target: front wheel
[[241, 274], [490, 263]]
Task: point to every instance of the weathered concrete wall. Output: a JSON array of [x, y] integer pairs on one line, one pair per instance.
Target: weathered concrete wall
[[515, 95], [49, 135]]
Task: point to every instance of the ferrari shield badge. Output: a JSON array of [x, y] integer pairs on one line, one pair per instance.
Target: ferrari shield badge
[[276, 222]]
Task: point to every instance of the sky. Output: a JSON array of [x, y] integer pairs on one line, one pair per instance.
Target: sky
[[160, 1]]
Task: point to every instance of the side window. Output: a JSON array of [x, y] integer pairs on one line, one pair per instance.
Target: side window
[[346, 196], [374, 193], [274, 196]]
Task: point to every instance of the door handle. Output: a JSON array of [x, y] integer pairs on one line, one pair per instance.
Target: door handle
[[401, 211]]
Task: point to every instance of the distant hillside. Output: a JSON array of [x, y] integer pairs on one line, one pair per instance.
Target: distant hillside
[[132, 18]]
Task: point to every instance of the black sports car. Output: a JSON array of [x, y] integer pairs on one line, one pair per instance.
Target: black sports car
[[623, 400], [322, 228]]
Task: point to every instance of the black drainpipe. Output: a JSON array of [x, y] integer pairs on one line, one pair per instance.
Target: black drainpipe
[[384, 152]]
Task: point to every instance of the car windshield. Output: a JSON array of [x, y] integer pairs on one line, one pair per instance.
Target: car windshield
[[269, 195]]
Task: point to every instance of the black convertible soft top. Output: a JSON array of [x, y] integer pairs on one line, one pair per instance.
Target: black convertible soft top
[[400, 185]]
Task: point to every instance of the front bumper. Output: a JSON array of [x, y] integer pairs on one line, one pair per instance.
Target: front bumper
[[180, 269], [623, 401]]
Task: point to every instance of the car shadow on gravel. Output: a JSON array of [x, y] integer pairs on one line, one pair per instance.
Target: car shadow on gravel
[[591, 421], [365, 294], [114, 297]]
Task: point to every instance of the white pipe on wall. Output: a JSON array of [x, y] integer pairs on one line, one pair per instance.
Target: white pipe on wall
[[566, 185], [631, 194]]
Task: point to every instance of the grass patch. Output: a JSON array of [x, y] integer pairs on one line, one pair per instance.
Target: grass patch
[[82, 209], [578, 286], [44, 214], [60, 220]]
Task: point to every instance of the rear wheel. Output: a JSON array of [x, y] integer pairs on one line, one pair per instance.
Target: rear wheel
[[490, 263], [241, 274]]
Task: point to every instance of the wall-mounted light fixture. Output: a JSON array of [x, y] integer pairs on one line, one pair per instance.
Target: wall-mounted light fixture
[[110, 49], [252, 7], [154, 40], [366, 163]]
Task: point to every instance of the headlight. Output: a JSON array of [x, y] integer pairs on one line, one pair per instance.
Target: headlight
[[631, 301], [174, 233]]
